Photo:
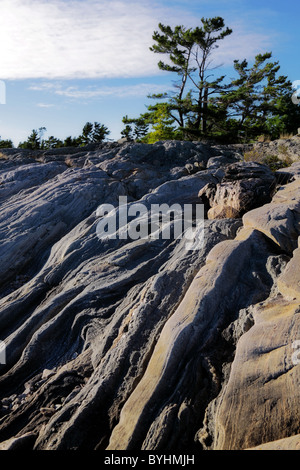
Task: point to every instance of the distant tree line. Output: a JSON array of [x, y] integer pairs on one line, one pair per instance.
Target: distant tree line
[[91, 133], [6, 144], [202, 105]]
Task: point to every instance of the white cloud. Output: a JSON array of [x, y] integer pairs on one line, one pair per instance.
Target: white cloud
[[67, 39], [76, 39], [45, 105], [92, 92]]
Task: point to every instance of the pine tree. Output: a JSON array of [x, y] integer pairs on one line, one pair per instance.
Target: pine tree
[[99, 132], [34, 140], [52, 142], [135, 128], [93, 133], [189, 54], [258, 101], [6, 143]]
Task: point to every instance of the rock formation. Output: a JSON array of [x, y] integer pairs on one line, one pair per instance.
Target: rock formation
[[143, 344]]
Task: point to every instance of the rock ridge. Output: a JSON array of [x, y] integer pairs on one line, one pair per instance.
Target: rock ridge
[[141, 344]]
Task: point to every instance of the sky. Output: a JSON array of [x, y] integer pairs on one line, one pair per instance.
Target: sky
[[66, 62]]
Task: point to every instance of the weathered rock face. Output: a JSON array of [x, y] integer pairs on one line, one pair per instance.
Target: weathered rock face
[[243, 187], [142, 343], [258, 404]]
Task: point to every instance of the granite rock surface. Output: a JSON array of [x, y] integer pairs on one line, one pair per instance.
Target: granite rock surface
[[144, 343]]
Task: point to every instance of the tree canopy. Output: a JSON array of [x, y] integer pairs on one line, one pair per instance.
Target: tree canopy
[[205, 105]]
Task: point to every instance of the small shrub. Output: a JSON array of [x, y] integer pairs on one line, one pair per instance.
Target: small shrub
[[264, 138], [272, 161], [282, 149], [286, 136], [254, 155]]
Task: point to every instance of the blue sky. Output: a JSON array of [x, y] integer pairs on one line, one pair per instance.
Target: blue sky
[[66, 62]]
